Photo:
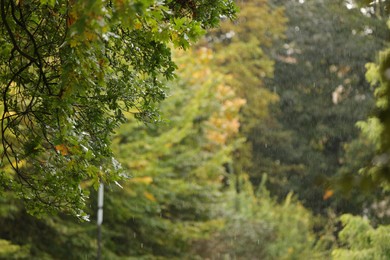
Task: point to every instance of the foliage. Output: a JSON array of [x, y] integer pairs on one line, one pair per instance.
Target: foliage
[[374, 169], [23, 236], [257, 227], [243, 51], [377, 127], [323, 93], [380, 9], [359, 240], [197, 189], [11, 251], [68, 71], [176, 167]]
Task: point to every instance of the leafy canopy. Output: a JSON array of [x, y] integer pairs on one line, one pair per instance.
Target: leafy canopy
[[68, 71], [377, 127], [361, 241]]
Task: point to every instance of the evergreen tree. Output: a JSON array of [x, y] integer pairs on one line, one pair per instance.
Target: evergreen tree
[[176, 167]]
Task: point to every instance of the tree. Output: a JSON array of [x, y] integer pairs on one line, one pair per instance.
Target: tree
[[243, 49], [257, 227], [377, 127], [379, 8], [177, 167], [23, 236], [362, 241], [69, 70], [319, 76]]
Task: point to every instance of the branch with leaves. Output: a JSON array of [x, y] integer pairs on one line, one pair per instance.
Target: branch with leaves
[[69, 69]]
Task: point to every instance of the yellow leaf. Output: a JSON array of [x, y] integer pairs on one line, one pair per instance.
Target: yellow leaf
[[138, 164], [73, 43], [149, 196], [217, 137], [10, 113], [90, 36], [137, 25], [144, 180]]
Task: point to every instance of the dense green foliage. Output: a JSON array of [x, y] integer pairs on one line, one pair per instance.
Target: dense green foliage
[[241, 49], [320, 78], [69, 70], [377, 128], [176, 167], [359, 240], [178, 203], [257, 227], [244, 155], [169, 200]]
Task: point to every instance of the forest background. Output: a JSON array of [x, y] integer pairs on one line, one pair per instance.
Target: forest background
[[271, 143]]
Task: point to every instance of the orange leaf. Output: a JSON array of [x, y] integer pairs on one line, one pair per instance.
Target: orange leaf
[[62, 149], [327, 194], [70, 19]]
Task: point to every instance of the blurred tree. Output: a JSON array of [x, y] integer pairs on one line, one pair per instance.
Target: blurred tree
[[359, 240], [23, 236], [376, 128], [257, 227], [243, 49], [379, 8], [177, 166], [319, 76], [11, 251]]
